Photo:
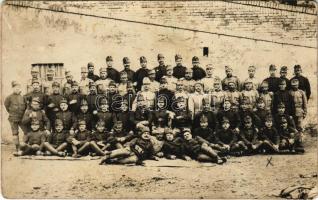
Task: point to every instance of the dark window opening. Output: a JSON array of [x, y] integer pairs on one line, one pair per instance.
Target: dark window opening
[[206, 51]]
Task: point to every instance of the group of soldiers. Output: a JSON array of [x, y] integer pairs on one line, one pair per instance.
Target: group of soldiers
[[128, 116]]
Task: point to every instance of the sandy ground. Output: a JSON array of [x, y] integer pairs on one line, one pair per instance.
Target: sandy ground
[[244, 177]]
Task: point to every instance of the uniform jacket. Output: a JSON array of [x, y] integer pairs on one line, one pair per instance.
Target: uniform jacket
[[160, 72], [140, 74], [303, 84], [76, 97], [142, 148], [127, 118], [179, 71], [233, 117], [284, 97], [207, 134], [269, 134], [278, 118], [130, 74], [15, 106], [57, 139], [34, 137], [268, 98], [39, 115], [88, 118], [92, 76], [248, 135], [84, 136], [43, 98], [174, 147], [108, 117], [182, 119], [299, 103], [226, 81], [105, 137], [198, 73], [273, 84], [91, 101], [68, 118], [113, 74], [212, 120], [227, 137]]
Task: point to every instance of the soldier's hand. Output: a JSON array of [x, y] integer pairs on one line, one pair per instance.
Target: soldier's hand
[[55, 109], [253, 146], [73, 101], [47, 132], [173, 157], [291, 141], [187, 158], [72, 132], [51, 105], [94, 112], [160, 154], [227, 147]]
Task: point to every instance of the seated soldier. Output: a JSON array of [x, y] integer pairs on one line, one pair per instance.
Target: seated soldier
[[121, 137], [172, 147], [56, 143], [268, 137], [139, 150], [290, 138], [101, 139], [261, 112], [80, 140], [282, 114], [68, 118], [182, 117], [248, 136], [204, 131], [194, 148], [33, 141], [232, 116]]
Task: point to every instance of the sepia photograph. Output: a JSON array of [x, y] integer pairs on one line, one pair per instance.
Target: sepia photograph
[[159, 99]]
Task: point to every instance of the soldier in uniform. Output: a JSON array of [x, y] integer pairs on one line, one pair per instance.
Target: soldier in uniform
[[160, 70], [67, 83], [182, 118], [74, 98], [250, 93], [15, 106], [85, 115], [179, 69], [122, 86], [279, 114], [251, 77], [267, 96], [302, 81], [36, 92], [171, 80], [195, 99], [188, 81], [228, 113], [299, 104], [180, 92], [272, 80], [130, 73], [283, 76], [206, 112], [217, 96], [198, 72], [92, 98], [105, 115], [282, 96], [141, 73], [154, 85], [54, 102], [68, 118], [84, 82], [208, 81], [165, 92], [103, 82], [91, 75], [47, 85], [111, 71], [148, 95], [35, 75], [233, 94], [230, 78]]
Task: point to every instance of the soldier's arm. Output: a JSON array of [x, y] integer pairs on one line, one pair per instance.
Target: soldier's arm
[[47, 124], [308, 89], [304, 103], [26, 117], [7, 103]]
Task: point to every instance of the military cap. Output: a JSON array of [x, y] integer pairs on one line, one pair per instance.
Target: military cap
[[35, 122], [231, 80], [152, 71], [217, 80], [103, 69], [248, 80], [112, 83], [246, 100], [90, 64], [294, 81], [84, 70], [272, 67], [36, 99], [92, 84], [195, 59], [34, 70], [247, 119], [35, 80], [180, 81], [140, 97], [103, 101], [58, 122], [119, 122], [160, 56], [68, 73], [81, 122], [198, 83], [143, 59], [203, 119], [227, 99], [177, 56], [144, 129], [264, 83], [186, 130], [283, 69], [281, 105], [126, 60], [181, 99], [252, 67], [188, 70], [84, 102], [269, 118], [74, 83], [282, 81], [130, 84], [161, 98], [146, 81], [169, 67], [283, 120], [14, 83], [123, 73], [50, 71], [55, 84], [163, 80], [225, 120], [297, 67], [100, 123], [168, 131], [209, 66], [64, 100], [260, 100], [109, 58], [228, 67]]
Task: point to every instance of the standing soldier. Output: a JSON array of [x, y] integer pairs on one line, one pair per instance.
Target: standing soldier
[[67, 83], [282, 96], [171, 80], [15, 106], [165, 92], [74, 98], [91, 75], [36, 92], [272, 80], [230, 78], [188, 81], [154, 85], [198, 72], [195, 99], [112, 73], [54, 102], [141, 73], [179, 70], [35, 75], [251, 77], [47, 85], [161, 68], [84, 82], [122, 86], [180, 92], [232, 94], [267, 96], [283, 76], [92, 98], [149, 96], [103, 82], [217, 96], [302, 81], [208, 81], [130, 73], [299, 104]]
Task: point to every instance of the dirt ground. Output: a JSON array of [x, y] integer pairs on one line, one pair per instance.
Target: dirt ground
[[244, 177]]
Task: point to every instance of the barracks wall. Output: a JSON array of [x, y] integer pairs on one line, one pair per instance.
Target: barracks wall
[[236, 34]]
